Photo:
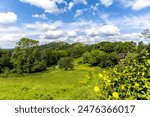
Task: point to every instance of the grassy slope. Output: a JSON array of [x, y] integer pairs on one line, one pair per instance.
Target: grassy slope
[[51, 84]]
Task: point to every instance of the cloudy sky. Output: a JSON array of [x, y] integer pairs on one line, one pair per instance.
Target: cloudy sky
[[87, 21]]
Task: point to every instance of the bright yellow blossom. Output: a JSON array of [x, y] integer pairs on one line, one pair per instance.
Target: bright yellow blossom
[[122, 87], [96, 89], [100, 75], [115, 95]]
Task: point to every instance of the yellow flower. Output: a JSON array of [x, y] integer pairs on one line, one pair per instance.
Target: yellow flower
[[108, 82], [100, 75], [105, 78], [115, 95], [122, 87], [96, 89]]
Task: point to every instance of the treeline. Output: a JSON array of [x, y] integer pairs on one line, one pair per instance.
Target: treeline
[[29, 57]]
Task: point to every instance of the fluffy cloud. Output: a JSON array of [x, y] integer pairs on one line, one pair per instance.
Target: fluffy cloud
[[135, 4], [82, 30], [42, 16], [74, 2], [44, 26], [48, 5], [140, 4], [70, 5], [72, 34], [78, 13], [7, 18], [131, 23], [103, 30], [107, 2], [85, 31], [52, 34], [80, 1]]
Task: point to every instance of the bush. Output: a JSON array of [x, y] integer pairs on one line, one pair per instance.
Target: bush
[[86, 57], [100, 58], [126, 81], [66, 63]]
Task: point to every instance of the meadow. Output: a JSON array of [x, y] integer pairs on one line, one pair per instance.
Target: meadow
[[62, 71], [52, 84]]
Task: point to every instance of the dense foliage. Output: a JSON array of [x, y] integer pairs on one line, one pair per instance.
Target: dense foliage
[[130, 80], [124, 70], [66, 63], [28, 56]]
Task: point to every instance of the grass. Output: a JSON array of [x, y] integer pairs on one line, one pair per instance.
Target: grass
[[52, 84]]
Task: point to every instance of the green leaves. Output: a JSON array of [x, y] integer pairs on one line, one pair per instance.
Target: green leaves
[[127, 81]]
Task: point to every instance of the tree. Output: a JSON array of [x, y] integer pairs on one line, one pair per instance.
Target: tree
[[96, 57], [146, 33], [66, 63], [5, 60], [109, 60], [27, 43], [26, 57], [141, 46], [52, 57], [76, 50], [86, 57]]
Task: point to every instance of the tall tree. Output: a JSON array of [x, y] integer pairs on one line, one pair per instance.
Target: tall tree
[[26, 57]]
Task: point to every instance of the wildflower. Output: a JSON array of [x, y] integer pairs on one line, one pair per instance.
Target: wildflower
[[100, 75], [105, 78], [96, 89], [122, 87], [115, 95], [108, 81]]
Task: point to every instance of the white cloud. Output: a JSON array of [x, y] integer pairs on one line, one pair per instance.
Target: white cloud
[[44, 26], [10, 37], [72, 34], [74, 2], [107, 2], [135, 4], [52, 34], [140, 4], [78, 13], [7, 18], [81, 1], [42, 16], [48, 5], [85, 31], [109, 29], [95, 7], [131, 23], [70, 5], [102, 30]]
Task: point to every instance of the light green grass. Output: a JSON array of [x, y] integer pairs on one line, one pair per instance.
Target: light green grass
[[51, 84]]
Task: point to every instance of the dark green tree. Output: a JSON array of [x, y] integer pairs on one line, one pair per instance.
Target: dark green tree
[[26, 57], [66, 63]]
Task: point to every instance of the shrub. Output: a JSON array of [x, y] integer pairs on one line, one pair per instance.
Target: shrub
[[126, 81], [66, 63], [86, 57]]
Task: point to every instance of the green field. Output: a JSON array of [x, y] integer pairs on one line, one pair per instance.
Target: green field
[[54, 84]]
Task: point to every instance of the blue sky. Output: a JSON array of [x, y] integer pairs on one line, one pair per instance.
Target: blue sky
[[87, 21]]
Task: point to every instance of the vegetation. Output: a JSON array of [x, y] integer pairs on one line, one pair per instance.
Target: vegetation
[[66, 63], [105, 70], [125, 81]]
